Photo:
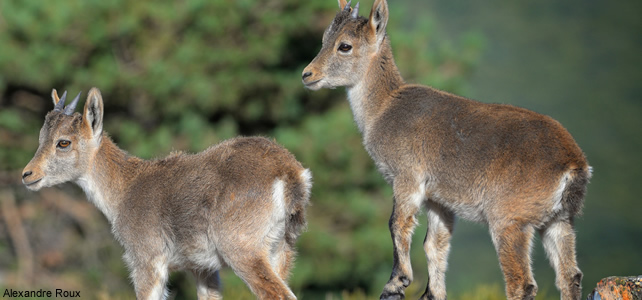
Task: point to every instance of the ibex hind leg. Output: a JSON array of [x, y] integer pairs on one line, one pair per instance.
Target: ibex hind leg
[[559, 242], [513, 245], [558, 237], [437, 246], [261, 278], [208, 286], [282, 260]]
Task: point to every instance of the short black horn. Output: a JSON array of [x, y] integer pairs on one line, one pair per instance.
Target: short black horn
[[69, 109], [355, 11], [347, 7], [61, 103]]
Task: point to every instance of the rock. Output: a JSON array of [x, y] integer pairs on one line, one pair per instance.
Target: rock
[[618, 288]]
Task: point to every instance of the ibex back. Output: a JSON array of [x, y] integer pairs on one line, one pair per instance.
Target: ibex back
[[240, 203], [511, 168]]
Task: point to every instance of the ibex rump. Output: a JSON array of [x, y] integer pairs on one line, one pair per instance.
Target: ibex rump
[[511, 168], [240, 203]]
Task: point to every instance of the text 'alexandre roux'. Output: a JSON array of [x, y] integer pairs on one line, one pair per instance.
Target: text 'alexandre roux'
[[58, 293]]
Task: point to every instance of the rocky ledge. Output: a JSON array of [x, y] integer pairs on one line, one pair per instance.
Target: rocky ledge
[[618, 288]]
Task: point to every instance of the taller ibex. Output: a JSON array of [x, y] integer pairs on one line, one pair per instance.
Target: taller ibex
[[240, 203], [511, 168]]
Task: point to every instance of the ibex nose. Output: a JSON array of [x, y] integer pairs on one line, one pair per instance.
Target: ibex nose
[[306, 75], [26, 174]]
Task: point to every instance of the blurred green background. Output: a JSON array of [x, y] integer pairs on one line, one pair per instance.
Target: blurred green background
[[182, 75]]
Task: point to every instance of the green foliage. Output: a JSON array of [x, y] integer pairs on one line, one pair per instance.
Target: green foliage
[[168, 69]]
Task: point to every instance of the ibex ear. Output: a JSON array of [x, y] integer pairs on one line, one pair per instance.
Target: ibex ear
[[54, 97], [342, 4], [379, 19], [93, 113]]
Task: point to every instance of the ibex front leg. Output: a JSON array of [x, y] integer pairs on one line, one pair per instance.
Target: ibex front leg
[[409, 195], [150, 277], [437, 246]]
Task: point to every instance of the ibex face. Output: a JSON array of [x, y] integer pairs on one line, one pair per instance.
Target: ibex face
[[67, 143], [348, 46]]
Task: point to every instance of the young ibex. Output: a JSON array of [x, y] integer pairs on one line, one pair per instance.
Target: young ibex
[[240, 203], [511, 168]]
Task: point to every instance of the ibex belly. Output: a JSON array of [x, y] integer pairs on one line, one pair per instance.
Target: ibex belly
[[478, 196]]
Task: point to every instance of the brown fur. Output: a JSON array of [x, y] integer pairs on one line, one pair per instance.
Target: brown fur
[[516, 170], [239, 203]]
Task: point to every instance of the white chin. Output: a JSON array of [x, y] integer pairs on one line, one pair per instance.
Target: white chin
[[38, 185], [35, 186], [314, 87], [317, 85]]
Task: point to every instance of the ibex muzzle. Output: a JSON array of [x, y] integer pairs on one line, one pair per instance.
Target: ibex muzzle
[[240, 203], [508, 167]]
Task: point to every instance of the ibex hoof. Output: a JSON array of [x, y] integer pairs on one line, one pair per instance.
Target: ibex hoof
[[404, 280], [392, 296]]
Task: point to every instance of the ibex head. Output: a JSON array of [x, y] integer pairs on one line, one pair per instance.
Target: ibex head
[[349, 45], [68, 142]]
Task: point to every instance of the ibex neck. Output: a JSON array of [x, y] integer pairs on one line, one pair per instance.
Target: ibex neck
[[372, 94], [107, 177]]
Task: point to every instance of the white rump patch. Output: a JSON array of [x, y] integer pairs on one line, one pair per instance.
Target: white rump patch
[[278, 197], [276, 227], [306, 176], [559, 192]]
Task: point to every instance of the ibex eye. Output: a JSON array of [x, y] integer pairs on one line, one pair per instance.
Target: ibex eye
[[63, 144], [344, 47]]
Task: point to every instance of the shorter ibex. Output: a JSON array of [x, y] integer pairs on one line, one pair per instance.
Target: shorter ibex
[[240, 203], [511, 168]]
